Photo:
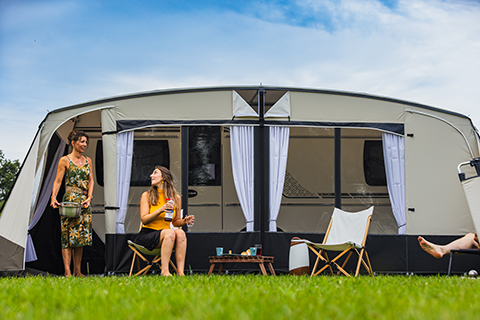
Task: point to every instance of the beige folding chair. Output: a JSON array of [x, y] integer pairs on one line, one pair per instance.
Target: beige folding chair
[[346, 233], [140, 252]]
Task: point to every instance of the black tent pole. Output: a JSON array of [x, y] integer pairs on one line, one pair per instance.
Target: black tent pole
[[261, 171], [338, 165], [185, 168]]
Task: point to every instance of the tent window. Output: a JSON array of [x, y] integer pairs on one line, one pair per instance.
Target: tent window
[[204, 156], [146, 155], [373, 163]]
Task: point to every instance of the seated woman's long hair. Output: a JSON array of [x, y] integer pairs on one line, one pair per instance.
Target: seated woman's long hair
[[168, 189]]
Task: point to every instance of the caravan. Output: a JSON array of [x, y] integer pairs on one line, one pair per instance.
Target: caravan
[[254, 165]]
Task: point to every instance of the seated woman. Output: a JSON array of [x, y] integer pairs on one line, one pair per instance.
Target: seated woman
[[156, 231], [469, 241]]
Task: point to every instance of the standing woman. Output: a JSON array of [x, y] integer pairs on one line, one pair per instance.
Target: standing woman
[[156, 231], [76, 232]]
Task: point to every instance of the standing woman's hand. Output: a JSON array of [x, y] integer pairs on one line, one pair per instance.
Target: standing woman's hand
[[87, 202], [54, 203]]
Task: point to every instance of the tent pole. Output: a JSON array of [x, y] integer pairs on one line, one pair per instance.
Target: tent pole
[[338, 165], [261, 171], [185, 165]]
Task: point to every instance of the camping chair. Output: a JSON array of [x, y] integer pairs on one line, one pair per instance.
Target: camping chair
[[346, 233], [140, 252]]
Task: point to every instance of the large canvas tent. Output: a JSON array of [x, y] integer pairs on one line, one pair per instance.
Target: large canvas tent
[[255, 165]]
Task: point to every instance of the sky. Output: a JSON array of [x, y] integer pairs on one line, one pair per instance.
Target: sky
[[57, 53]]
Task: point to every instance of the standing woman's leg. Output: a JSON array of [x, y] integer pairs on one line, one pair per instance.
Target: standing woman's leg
[[67, 259], [77, 262], [65, 228], [167, 239], [180, 250]]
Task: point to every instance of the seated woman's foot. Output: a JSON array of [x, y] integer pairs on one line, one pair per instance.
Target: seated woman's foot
[[68, 275], [430, 248], [80, 275], [166, 274]]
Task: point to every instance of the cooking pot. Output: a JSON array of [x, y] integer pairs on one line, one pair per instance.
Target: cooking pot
[[70, 209]]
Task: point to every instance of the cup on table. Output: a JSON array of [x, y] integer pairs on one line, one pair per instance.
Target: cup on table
[[219, 251], [253, 251], [258, 248]]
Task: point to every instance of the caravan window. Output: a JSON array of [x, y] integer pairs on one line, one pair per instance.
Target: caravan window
[[146, 155], [373, 163], [204, 156]]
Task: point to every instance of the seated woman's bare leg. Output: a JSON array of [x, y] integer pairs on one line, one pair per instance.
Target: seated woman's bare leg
[[180, 250], [469, 241], [167, 239]]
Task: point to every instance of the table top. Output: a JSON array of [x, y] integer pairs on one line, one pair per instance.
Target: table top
[[240, 258]]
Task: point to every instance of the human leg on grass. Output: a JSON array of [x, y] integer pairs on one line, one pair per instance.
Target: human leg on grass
[[67, 260], [469, 241], [167, 239], [77, 261], [180, 250]]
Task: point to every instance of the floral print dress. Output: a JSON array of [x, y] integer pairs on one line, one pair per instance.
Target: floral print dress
[[77, 232]]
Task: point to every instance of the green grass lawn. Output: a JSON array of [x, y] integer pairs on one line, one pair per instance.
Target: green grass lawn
[[240, 297]]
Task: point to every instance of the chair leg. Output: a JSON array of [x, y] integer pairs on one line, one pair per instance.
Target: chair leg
[[360, 260], [450, 264], [327, 259], [369, 266], [133, 263], [345, 262], [324, 259], [316, 261]]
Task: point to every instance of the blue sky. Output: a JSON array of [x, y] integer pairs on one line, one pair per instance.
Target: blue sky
[[56, 53]]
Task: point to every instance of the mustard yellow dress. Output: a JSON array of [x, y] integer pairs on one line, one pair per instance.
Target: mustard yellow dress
[[149, 235]]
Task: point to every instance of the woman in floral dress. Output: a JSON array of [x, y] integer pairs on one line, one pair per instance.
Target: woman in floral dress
[[76, 232]]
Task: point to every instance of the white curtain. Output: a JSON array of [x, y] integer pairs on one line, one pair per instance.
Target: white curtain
[[394, 156], [124, 170], [241, 143], [279, 137], [43, 200]]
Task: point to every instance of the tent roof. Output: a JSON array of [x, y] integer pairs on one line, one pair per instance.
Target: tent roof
[[270, 99]]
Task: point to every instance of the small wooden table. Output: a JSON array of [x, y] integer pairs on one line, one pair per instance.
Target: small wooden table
[[242, 259]]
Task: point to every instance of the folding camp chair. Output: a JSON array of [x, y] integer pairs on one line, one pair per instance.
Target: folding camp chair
[[346, 233], [140, 252]]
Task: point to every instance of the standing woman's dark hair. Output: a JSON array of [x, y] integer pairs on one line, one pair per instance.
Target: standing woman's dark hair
[[169, 187], [75, 135]]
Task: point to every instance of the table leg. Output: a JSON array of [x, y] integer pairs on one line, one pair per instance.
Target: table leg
[[262, 267], [211, 268], [270, 267], [221, 268]]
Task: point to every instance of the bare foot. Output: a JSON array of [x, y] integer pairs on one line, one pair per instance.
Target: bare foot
[[430, 248], [166, 274], [80, 275], [68, 275]]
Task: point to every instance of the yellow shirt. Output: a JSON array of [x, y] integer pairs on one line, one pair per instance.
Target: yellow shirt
[[159, 223]]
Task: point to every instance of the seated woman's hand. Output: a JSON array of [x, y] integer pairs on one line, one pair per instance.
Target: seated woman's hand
[[190, 220]]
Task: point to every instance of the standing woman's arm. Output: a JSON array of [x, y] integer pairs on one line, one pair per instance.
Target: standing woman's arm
[[62, 166]]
